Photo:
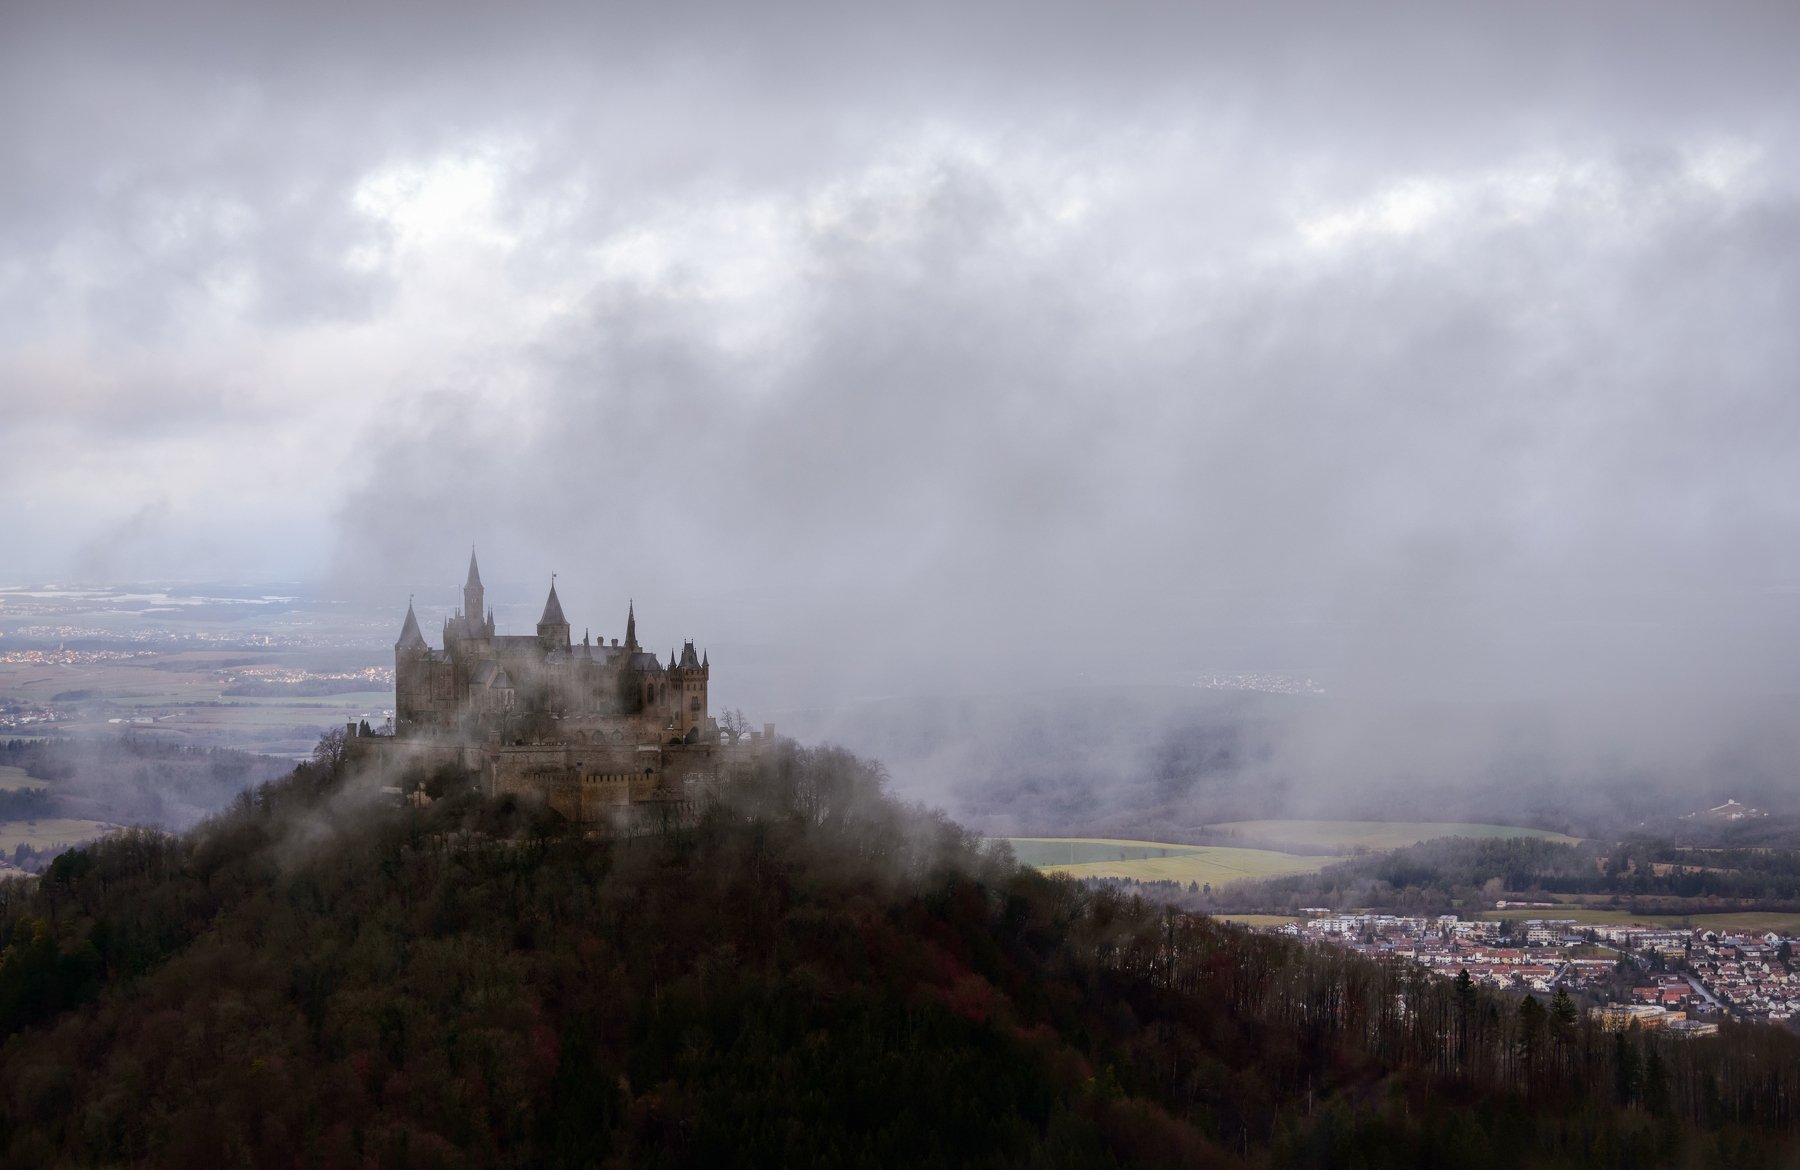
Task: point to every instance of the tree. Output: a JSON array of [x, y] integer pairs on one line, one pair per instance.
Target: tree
[[733, 722], [331, 752]]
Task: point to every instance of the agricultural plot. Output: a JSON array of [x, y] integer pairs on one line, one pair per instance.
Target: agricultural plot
[[1585, 915], [1758, 921], [1371, 835], [49, 832], [1148, 861], [178, 697], [12, 779]]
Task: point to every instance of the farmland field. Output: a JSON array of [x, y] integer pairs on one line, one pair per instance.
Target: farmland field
[[12, 779], [1783, 921], [49, 831], [180, 695], [1147, 861], [1375, 835]]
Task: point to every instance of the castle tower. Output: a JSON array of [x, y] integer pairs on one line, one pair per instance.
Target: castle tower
[[411, 640], [688, 679], [553, 627], [412, 671], [473, 600], [631, 642]]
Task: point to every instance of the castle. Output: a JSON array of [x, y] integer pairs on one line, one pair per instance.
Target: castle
[[601, 732]]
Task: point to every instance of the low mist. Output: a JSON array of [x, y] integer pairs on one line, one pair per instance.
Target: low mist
[[941, 362]]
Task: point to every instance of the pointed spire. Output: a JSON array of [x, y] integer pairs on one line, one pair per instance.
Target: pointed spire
[[631, 624], [671, 659], [474, 580], [553, 614], [410, 638]]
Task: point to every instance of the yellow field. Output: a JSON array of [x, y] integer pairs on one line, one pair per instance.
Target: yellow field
[[1757, 920], [1376, 835], [1148, 861], [1784, 922], [1256, 919], [1586, 915], [12, 779], [49, 831]]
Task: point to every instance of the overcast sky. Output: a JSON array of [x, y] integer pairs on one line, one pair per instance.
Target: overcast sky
[[1027, 343]]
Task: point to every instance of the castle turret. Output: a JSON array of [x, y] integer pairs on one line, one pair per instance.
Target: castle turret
[[688, 680], [553, 627], [412, 671], [473, 603], [631, 642], [410, 637]]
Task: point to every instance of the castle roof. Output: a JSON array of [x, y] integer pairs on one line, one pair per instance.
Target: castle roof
[[644, 660], [410, 638], [491, 674], [688, 658], [474, 572], [553, 614]]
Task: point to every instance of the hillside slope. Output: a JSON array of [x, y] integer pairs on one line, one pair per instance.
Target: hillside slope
[[811, 976]]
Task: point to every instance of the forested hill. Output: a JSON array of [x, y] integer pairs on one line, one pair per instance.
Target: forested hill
[[813, 975]]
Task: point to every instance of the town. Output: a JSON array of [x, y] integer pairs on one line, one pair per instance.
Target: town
[[1679, 979]]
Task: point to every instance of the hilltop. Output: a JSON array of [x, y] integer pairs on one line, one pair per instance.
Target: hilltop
[[809, 974]]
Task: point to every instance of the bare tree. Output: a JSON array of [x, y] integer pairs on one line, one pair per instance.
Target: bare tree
[[733, 722]]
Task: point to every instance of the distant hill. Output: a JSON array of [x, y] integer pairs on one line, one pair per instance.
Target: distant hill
[[1102, 761], [1163, 762], [812, 974]]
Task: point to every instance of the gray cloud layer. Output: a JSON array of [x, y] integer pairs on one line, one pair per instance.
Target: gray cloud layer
[[1430, 350]]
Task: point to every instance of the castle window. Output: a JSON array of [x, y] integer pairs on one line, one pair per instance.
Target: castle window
[[694, 705]]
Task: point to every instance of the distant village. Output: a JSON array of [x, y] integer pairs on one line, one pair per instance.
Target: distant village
[[1680, 980]]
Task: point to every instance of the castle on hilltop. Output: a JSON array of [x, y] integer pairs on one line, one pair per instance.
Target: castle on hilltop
[[596, 730]]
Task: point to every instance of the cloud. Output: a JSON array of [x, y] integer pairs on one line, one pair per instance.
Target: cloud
[[1429, 350]]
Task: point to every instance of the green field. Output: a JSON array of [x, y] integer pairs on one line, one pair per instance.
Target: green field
[[1257, 920], [49, 831], [1782, 921], [186, 702], [1374, 835], [1148, 861], [12, 779]]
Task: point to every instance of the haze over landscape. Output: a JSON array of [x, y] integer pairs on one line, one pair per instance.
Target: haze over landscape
[[808, 585], [1438, 357]]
